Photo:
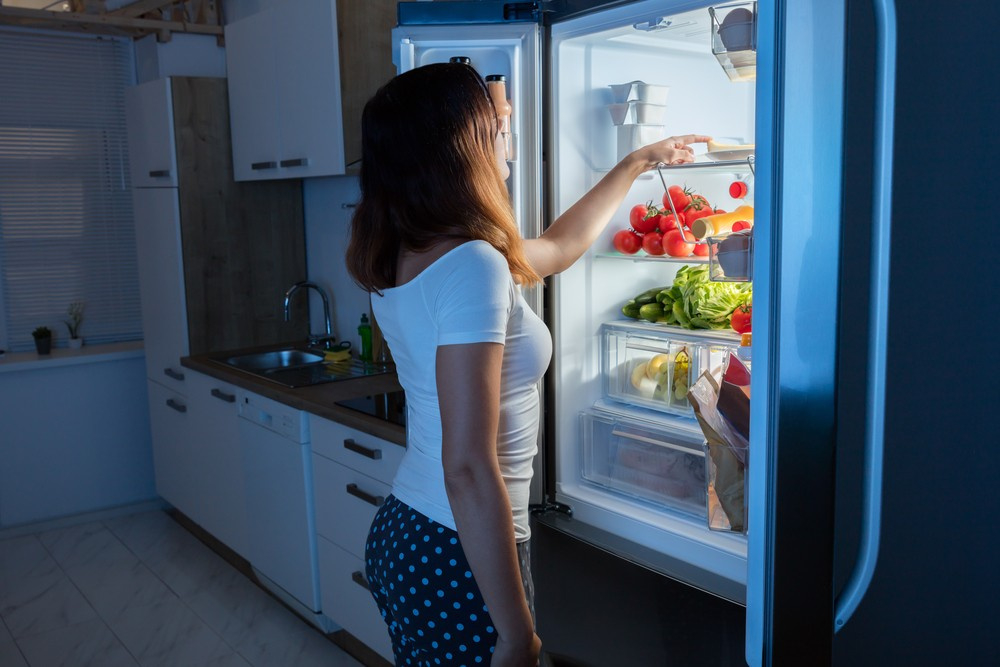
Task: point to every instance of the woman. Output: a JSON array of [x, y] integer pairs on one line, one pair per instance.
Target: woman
[[435, 241]]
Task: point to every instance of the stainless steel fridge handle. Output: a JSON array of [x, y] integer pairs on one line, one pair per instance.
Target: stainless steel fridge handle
[[885, 92]]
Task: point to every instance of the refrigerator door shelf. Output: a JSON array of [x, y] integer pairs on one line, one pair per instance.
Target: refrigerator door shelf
[[644, 461], [652, 366]]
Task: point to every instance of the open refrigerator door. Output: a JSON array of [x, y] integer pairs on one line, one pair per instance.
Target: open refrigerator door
[[509, 54], [648, 310]]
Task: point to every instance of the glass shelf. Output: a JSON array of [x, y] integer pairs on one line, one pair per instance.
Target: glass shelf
[[638, 257], [735, 166]]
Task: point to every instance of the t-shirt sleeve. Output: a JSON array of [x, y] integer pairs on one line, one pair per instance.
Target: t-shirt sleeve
[[475, 298]]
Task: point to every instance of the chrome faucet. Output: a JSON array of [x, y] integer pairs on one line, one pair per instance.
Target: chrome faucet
[[313, 340]]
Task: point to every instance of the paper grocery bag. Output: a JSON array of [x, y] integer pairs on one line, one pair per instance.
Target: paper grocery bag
[[726, 472]]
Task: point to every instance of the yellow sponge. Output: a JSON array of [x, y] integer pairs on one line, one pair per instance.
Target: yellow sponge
[[337, 355]]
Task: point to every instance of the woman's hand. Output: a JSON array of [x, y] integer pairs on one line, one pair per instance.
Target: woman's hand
[[672, 150], [517, 654]]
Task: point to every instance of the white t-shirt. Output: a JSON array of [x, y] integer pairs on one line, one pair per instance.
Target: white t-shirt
[[466, 296]]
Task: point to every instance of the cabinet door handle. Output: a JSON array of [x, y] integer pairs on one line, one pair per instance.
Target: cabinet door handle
[[297, 162], [160, 173], [361, 449], [256, 166], [228, 398], [364, 495], [358, 577], [171, 373], [179, 407]]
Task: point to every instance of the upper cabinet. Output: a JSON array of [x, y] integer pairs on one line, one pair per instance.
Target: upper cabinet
[[299, 74], [152, 159]]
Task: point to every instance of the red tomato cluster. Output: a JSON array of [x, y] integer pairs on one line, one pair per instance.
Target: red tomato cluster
[[653, 228]]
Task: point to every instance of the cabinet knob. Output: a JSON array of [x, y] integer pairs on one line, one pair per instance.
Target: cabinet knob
[[179, 407], [160, 173], [171, 373], [297, 162], [374, 454], [364, 495], [358, 577], [257, 166], [221, 395]]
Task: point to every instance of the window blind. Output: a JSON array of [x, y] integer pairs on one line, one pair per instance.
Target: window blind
[[66, 228]]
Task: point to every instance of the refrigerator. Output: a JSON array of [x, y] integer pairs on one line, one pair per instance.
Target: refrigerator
[[871, 454]]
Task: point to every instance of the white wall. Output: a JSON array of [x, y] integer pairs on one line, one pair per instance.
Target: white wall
[[327, 232], [75, 436]]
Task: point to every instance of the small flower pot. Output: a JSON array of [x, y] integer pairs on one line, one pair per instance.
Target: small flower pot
[[75, 343], [43, 345]]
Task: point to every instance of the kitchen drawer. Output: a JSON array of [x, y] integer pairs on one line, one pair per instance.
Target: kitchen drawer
[[346, 599], [356, 449], [646, 460], [346, 502], [653, 366]]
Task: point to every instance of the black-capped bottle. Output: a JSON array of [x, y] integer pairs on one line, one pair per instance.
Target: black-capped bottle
[[464, 60]]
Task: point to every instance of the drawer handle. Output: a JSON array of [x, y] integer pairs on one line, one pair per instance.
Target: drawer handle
[[365, 496], [256, 166], [160, 173], [171, 373], [179, 407], [361, 449], [359, 578], [228, 398], [658, 443], [297, 162]]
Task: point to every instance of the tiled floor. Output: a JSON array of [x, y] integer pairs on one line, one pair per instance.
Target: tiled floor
[[141, 590]]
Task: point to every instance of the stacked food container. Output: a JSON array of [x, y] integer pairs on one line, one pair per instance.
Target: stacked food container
[[638, 109]]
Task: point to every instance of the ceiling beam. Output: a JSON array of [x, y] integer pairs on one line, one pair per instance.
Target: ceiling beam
[[140, 7], [95, 22]]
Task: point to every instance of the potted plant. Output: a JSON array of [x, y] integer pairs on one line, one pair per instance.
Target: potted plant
[[43, 339], [75, 314]]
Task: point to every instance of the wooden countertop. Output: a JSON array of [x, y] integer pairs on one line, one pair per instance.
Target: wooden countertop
[[319, 399]]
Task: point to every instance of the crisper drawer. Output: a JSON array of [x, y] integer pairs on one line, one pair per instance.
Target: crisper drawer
[[644, 460], [346, 599], [356, 449], [653, 366], [346, 503]]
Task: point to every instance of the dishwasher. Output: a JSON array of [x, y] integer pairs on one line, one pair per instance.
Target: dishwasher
[[281, 513]]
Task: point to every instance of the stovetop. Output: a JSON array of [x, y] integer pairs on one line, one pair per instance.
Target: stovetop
[[390, 407]]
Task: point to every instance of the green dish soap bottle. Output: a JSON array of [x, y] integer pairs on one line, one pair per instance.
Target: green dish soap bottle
[[365, 331]]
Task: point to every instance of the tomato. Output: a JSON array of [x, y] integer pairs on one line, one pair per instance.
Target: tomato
[[741, 224], [626, 241], [740, 320], [637, 215], [701, 250], [666, 222], [698, 208], [720, 210], [681, 197], [648, 223], [652, 243], [676, 245]]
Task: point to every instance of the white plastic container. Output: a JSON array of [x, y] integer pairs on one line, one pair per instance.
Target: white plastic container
[[677, 356], [632, 137], [639, 91]]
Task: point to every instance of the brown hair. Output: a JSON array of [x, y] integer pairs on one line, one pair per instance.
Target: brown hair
[[428, 172]]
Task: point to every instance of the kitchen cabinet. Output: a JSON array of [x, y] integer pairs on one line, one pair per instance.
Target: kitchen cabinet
[[299, 73], [173, 448], [161, 284], [353, 474], [216, 460], [152, 161]]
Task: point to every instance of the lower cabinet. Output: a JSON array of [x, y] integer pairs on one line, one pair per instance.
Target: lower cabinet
[[196, 455], [169, 424], [344, 592], [353, 474]]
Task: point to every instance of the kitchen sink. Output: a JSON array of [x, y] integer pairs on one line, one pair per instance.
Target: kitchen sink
[[274, 360], [295, 367]]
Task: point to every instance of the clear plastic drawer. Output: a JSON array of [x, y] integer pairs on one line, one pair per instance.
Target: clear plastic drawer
[[653, 365], [644, 460]]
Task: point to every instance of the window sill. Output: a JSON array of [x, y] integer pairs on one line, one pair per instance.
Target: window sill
[[88, 354]]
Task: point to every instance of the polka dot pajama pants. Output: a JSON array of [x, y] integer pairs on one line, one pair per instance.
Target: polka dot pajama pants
[[423, 586]]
